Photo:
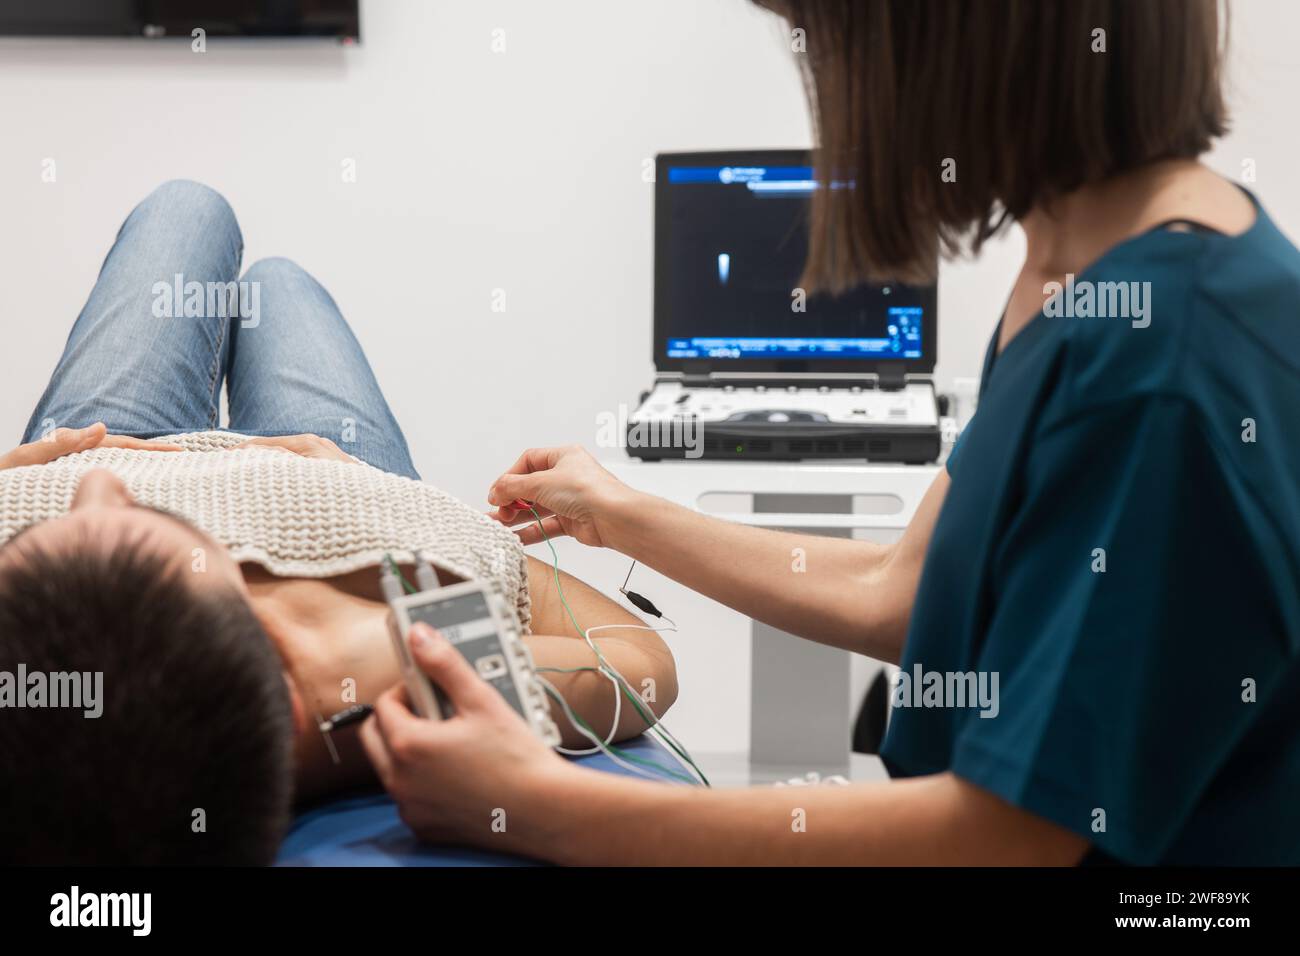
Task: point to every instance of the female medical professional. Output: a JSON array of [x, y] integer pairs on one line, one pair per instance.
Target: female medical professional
[[1117, 535]]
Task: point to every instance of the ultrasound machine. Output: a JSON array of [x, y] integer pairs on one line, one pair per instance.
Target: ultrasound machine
[[747, 365]]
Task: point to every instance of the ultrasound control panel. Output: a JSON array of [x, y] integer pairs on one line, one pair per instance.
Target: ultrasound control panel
[[786, 422], [913, 404]]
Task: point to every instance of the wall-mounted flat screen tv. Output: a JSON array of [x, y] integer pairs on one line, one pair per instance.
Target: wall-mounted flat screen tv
[[159, 19]]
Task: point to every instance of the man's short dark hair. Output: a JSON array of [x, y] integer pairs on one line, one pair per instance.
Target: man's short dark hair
[[1019, 100], [191, 758]]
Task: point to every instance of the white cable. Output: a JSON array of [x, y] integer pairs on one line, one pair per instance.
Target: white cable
[[606, 666], [615, 677], [630, 627], [658, 727], [602, 747], [618, 714], [610, 673], [568, 712]]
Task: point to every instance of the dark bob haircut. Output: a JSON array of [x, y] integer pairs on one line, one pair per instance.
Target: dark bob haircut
[[1017, 101]]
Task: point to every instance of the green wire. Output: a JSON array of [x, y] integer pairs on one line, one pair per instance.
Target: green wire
[[651, 722], [406, 585], [649, 765], [597, 670]]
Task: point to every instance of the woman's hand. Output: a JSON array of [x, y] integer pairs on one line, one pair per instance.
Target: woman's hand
[[69, 441], [466, 779], [569, 488], [308, 446]]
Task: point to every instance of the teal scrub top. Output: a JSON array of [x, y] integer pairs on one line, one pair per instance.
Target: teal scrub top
[[1120, 545]]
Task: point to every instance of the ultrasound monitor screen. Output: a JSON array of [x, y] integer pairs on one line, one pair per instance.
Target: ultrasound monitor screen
[[333, 19], [731, 251]]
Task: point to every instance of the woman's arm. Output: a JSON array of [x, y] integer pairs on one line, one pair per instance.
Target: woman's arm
[[584, 817], [563, 657], [850, 594], [459, 779]]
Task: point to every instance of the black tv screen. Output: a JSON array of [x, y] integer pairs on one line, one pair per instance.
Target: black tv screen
[[338, 19]]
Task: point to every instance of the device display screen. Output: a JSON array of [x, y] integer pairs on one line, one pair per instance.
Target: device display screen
[[467, 623], [728, 270]]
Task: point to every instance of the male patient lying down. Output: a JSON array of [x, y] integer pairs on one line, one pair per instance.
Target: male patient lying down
[[212, 682]]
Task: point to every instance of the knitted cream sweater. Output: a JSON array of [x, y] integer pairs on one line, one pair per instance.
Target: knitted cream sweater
[[295, 516]]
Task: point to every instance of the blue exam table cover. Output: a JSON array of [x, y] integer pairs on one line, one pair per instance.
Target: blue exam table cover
[[366, 830]]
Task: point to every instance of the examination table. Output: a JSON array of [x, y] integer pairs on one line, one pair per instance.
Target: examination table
[[366, 830]]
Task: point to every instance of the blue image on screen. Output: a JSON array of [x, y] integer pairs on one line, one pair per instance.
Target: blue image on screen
[[737, 252], [901, 341]]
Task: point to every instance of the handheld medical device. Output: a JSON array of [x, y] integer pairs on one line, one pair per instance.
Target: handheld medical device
[[474, 618], [749, 364]]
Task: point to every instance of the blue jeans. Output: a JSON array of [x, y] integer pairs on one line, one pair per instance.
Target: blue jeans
[[135, 362]]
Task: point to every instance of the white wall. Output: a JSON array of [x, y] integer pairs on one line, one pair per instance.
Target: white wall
[[476, 171]]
